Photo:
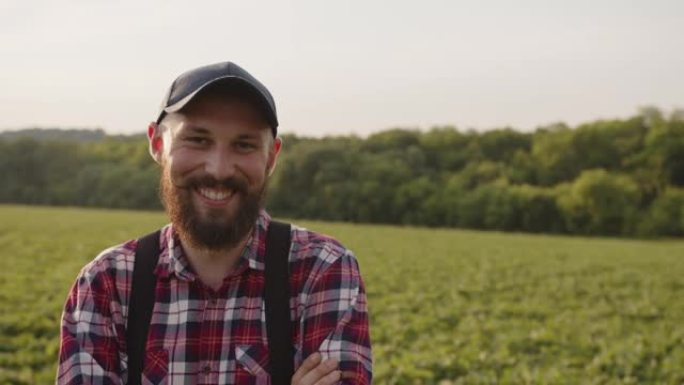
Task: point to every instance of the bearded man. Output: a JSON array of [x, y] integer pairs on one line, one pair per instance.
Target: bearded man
[[216, 141]]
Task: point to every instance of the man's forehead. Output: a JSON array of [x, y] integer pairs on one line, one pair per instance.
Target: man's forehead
[[195, 125]]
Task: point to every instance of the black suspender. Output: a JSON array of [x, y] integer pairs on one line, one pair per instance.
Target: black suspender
[[276, 297], [141, 303]]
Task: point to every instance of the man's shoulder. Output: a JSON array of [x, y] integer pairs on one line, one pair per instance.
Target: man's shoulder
[[314, 255], [117, 259], [308, 244]]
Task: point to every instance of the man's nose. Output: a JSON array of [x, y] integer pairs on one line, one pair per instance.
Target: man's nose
[[220, 164]]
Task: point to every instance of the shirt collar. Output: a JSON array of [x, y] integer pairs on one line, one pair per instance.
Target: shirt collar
[[172, 259]]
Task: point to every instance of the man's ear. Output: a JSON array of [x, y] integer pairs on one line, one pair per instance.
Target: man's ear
[[156, 143], [273, 154]]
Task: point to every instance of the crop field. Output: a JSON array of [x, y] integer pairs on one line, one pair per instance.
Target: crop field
[[447, 306]]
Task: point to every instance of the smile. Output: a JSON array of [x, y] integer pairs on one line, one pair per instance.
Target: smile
[[215, 194]]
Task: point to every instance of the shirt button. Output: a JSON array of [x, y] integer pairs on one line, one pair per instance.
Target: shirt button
[[206, 369]]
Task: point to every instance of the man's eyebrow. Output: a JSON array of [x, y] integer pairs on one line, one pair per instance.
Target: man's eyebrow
[[195, 130], [250, 135]]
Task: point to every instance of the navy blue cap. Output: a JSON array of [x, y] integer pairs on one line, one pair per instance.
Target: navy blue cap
[[190, 83]]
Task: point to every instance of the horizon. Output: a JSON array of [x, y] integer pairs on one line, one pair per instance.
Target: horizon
[[667, 114]]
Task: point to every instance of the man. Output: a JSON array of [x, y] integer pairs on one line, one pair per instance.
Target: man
[[216, 142]]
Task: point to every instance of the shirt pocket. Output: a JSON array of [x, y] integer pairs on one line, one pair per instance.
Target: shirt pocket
[[253, 359], [156, 367]]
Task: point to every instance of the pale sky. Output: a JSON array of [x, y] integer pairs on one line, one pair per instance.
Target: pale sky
[[342, 67]]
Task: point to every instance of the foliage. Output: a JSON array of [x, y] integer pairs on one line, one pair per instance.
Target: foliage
[[447, 307], [600, 203], [110, 173], [610, 177], [666, 215]]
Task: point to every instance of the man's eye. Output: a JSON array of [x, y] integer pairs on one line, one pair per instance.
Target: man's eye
[[245, 145]]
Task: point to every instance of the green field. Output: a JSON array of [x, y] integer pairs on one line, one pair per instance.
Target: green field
[[447, 306]]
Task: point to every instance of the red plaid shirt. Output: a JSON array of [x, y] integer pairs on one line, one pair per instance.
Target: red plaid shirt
[[201, 336]]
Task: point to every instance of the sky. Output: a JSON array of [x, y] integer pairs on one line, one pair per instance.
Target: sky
[[345, 67]]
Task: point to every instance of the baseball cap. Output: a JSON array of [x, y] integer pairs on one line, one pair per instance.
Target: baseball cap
[[190, 83]]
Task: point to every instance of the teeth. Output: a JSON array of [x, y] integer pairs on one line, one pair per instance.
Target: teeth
[[216, 195]]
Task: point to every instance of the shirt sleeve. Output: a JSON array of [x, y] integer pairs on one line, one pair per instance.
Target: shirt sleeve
[[335, 320], [90, 349]]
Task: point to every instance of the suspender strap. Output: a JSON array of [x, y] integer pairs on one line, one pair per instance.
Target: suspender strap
[[141, 303], [277, 298]]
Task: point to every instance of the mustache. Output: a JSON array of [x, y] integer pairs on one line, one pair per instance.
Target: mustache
[[232, 183]]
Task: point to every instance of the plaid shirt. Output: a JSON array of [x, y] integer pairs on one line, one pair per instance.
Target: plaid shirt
[[201, 336]]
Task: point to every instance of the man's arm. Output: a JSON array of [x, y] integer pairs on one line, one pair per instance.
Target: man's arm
[[335, 320], [89, 351]]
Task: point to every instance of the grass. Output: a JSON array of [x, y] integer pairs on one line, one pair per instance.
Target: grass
[[447, 306]]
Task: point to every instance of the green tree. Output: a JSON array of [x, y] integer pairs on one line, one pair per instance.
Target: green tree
[[601, 203], [665, 151], [538, 209], [563, 154], [447, 149], [414, 199], [502, 145], [666, 214]]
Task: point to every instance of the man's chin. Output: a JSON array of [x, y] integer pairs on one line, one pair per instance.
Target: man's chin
[[216, 228]]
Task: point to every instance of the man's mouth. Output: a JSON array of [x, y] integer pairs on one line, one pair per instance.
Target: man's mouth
[[215, 194]]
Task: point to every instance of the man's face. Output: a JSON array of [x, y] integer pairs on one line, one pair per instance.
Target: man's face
[[216, 156]]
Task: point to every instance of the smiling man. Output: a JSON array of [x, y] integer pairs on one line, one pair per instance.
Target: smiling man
[[206, 318]]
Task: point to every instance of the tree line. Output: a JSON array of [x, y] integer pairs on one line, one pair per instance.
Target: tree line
[[621, 177]]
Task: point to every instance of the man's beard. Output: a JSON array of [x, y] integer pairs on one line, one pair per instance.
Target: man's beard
[[217, 230]]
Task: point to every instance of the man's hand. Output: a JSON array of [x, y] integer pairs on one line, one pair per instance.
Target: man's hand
[[314, 371]]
